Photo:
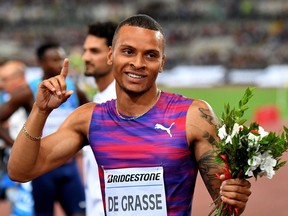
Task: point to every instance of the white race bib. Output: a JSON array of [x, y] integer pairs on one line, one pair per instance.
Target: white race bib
[[135, 191]]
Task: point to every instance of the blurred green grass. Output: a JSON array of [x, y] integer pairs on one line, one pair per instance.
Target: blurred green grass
[[219, 96]]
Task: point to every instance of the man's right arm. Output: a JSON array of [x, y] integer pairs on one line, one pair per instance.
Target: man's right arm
[[24, 155], [32, 155]]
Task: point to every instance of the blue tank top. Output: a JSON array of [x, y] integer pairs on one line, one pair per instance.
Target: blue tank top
[[158, 138]]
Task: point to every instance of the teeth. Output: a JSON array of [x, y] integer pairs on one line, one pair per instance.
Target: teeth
[[134, 76]]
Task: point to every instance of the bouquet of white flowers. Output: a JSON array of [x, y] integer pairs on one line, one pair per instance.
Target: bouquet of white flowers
[[246, 151]]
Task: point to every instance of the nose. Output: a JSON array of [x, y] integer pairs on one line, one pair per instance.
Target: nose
[[138, 62], [85, 56]]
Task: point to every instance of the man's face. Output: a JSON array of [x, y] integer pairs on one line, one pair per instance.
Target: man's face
[[12, 76], [137, 57], [52, 61], [95, 56]]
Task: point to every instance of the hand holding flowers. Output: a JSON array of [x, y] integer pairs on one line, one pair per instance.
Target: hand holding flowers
[[246, 151]]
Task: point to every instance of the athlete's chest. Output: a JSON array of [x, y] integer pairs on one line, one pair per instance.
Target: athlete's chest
[[145, 141]]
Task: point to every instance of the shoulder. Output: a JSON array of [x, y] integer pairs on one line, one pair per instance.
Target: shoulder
[[200, 119], [80, 118], [85, 109], [200, 105], [175, 99], [201, 110]]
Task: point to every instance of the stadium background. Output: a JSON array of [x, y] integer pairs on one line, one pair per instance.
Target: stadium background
[[233, 44]]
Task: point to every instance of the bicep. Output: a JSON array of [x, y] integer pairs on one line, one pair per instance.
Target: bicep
[[202, 137], [201, 122], [58, 147], [66, 142]]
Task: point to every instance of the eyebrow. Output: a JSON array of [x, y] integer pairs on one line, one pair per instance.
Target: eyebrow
[[131, 47]]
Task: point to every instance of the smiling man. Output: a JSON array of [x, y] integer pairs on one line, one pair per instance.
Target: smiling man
[[154, 173]]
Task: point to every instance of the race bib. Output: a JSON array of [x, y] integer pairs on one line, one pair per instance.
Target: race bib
[[135, 191]]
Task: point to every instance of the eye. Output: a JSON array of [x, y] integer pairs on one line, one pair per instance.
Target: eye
[[95, 51], [151, 55], [127, 51]]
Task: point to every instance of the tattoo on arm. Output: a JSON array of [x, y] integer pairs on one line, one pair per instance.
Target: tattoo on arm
[[206, 116], [209, 138], [207, 168]]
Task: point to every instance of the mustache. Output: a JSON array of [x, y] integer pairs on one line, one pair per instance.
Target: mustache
[[88, 63]]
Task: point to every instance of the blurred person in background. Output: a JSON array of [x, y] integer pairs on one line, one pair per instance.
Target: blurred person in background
[[95, 53], [63, 184], [19, 195]]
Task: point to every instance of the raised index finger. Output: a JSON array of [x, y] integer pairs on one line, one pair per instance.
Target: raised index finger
[[64, 70]]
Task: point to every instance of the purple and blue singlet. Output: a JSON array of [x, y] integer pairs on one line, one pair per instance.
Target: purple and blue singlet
[[155, 139]]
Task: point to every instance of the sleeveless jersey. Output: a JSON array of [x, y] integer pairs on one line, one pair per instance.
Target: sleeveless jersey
[[157, 138]]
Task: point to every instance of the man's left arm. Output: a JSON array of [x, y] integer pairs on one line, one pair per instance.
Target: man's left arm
[[202, 137]]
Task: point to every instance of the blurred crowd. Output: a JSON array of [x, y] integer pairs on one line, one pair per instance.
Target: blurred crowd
[[233, 33]]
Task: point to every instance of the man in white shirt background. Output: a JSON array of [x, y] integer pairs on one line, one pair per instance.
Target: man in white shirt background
[[95, 51]]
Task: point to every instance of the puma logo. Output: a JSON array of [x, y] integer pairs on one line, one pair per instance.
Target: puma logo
[[161, 127]]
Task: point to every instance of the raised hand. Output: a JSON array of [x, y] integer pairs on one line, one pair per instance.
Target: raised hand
[[52, 92]]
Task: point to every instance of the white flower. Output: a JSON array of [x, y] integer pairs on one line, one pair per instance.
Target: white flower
[[263, 161], [222, 132], [236, 129], [228, 139], [253, 141], [262, 132], [254, 163], [267, 165], [253, 138]]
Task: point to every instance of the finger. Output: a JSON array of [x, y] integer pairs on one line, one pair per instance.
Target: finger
[[236, 203], [64, 70], [67, 95], [56, 83], [49, 85], [239, 194], [62, 83], [239, 182]]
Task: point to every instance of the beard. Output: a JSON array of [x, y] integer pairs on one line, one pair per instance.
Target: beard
[[88, 74]]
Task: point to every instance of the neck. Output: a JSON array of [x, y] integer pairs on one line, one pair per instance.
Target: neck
[[136, 106]]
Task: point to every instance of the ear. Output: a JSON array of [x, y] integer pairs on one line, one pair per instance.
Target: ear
[[162, 64], [109, 57]]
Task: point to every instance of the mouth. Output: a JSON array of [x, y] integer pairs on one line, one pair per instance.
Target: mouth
[[135, 76]]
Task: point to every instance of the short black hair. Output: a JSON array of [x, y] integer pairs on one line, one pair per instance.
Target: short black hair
[[103, 30], [42, 49], [140, 20]]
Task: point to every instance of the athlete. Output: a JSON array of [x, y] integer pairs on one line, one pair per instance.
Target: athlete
[[95, 52], [149, 144]]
